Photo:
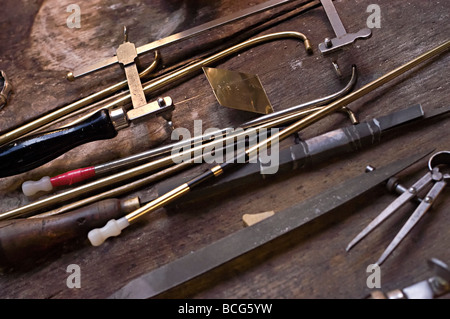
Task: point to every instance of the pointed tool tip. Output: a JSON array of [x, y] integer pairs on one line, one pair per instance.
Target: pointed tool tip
[[350, 245]]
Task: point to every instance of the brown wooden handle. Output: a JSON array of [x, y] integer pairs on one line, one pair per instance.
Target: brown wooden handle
[[24, 239]]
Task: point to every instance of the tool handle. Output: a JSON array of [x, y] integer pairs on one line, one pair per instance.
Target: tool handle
[[23, 240], [112, 228], [33, 151], [46, 184]]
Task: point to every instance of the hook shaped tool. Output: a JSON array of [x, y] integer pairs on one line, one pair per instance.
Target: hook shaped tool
[[433, 176]]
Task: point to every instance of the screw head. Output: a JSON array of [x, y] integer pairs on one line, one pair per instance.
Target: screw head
[[161, 102]]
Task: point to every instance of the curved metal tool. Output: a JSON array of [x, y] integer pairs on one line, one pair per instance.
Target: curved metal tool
[[5, 89], [308, 105], [433, 176]]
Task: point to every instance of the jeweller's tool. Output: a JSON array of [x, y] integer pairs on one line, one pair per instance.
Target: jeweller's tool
[[33, 151], [27, 239], [92, 101], [5, 89], [114, 227], [249, 238], [149, 167], [430, 288], [238, 90], [434, 177], [342, 37], [296, 157], [47, 183], [36, 150], [126, 56], [310, 152], [179, 36]]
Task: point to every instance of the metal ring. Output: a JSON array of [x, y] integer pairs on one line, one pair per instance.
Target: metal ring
[[439, 159]]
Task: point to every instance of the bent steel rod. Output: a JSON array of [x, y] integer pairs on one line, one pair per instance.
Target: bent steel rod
[[114, 227], [149, 88]]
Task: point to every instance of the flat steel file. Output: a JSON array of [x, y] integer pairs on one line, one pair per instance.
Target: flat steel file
[[247, 239]]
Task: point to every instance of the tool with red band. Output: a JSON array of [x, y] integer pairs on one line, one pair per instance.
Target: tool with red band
[[47, 183]]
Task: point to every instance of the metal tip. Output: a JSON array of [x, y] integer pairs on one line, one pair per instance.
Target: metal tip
[[125, 34], [350, 246], [308, 47], [382, 259]]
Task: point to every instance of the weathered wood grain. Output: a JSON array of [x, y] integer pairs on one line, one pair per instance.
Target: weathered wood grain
[[37, 49]]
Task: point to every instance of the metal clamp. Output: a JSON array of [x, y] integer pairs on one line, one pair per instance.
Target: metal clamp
[[126, 55], [342, 37]]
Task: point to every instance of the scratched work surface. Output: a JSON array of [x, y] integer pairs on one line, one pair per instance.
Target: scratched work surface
[[37, 49]]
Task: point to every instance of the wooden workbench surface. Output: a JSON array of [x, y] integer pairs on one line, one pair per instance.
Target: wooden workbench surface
[[37, 49]]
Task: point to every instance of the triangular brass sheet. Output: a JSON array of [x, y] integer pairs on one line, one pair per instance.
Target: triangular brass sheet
[[238, 90]]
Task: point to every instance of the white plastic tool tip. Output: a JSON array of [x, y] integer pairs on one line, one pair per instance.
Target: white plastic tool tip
[[29, 188], [112, 228]]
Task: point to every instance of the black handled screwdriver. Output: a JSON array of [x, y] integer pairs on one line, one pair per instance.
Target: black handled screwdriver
[[29, 152]]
